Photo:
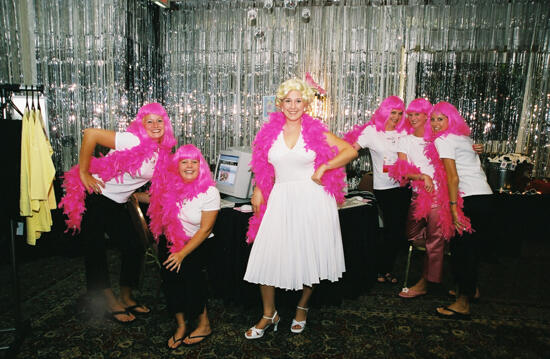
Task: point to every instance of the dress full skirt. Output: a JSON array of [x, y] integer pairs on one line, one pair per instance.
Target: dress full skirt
[[299, 241]]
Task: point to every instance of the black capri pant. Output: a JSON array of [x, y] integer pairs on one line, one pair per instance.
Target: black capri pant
[[394, 203], [466, 249], [104, 215], [185, 291]]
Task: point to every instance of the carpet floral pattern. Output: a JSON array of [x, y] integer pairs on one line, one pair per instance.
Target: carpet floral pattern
[[511, 321]]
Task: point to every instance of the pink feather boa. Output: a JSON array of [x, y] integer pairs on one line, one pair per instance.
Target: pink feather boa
[[170, 196], [424, 200], [352, 136], [313, 132], [114, 165]]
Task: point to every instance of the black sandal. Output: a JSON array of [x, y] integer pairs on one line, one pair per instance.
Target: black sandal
[[132, 309], [112, 316], [180, 340], [204, 337], [454, 315]]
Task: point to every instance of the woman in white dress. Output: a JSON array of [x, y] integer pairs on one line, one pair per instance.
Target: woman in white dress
[[299, 178]]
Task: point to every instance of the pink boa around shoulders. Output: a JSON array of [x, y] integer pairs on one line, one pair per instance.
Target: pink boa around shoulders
[[424, 200], [445, 216], [352, 136], [168, 192], [114, 165], [167, 220], [313, 132]]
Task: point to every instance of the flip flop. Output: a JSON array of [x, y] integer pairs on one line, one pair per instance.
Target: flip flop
[[410, 293], [455, 315], [180, 340], [204, 337], [132, 309], [112, 316]]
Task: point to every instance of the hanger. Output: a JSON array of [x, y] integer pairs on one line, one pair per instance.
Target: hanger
[[32, 97], [26, 98], [38, 99]]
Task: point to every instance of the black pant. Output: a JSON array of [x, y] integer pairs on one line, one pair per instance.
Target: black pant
[[185, 291], [394, 203], [106, 216], [466, 249]]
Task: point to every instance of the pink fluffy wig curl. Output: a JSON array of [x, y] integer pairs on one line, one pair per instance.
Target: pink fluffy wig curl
[[457, 124], [419, 105], [382, 113], [204, 179], [136, 127]]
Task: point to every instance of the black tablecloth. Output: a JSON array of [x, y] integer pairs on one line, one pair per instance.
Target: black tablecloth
[[519, 218], [229, 257]]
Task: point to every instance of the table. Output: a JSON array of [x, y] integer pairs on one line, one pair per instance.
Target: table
[[229, 257], [519, 218]]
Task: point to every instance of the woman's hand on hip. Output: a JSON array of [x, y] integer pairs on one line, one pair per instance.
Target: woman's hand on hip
[[318, 174], [91, 183]]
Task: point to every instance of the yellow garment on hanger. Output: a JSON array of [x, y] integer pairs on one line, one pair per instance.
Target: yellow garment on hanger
[[24, 184], [41, 176]]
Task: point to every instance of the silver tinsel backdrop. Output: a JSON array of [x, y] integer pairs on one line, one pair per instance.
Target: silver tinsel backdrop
[[212, 62]]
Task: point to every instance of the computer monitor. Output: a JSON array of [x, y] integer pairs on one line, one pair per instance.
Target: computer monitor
[[233, 176]]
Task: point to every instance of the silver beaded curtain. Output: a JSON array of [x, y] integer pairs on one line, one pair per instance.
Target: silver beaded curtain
[[10, 61], [212, 61], [98, 59], [222, 57]]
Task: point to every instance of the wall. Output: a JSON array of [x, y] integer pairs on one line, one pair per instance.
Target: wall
[[211, 64]]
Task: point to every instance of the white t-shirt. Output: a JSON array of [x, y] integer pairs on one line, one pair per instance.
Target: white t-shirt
[[471, 178], [383, 150], [191, 211], [120, 192], [413, 147]]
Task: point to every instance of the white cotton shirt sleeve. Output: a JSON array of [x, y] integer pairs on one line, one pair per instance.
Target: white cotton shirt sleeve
[[471, 178], [190, 213]]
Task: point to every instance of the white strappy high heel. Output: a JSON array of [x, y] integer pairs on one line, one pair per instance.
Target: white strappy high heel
[[301, 324], [256, 333]]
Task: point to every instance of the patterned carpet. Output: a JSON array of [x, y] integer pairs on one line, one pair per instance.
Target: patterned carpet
[[511, 321]]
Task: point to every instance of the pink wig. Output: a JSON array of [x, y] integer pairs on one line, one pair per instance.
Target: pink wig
[[457, 124], [136, 127], [204, 180], [382, 113], [419, 105]]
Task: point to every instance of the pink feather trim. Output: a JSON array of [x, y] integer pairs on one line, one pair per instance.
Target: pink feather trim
[[440, 177], [168, 193], [423, 202], [313, 132], [114, 165], [352, 136]]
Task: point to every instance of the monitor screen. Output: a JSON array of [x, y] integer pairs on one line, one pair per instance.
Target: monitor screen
[[233, 176], [228, 165]]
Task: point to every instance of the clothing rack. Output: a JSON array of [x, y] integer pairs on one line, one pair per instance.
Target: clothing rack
[[6, 90], [21, 327]]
